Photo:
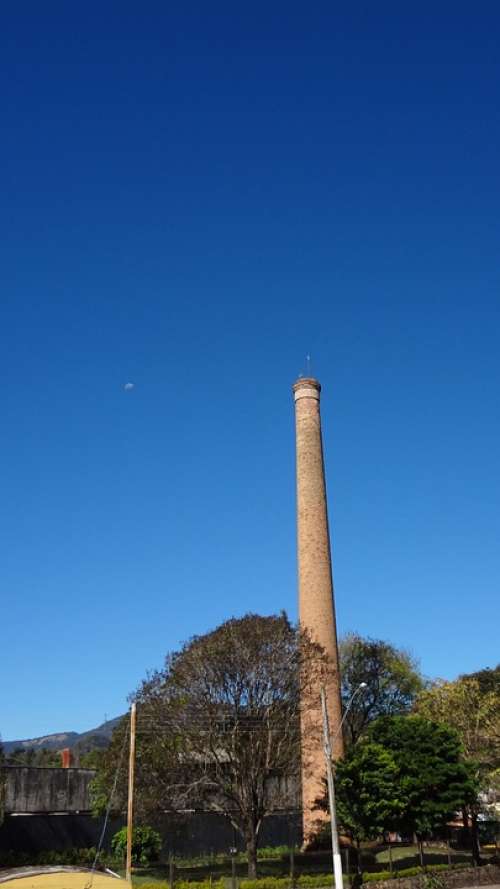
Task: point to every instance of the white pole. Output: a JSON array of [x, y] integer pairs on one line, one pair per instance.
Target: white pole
[[327, 746], [337, 861]]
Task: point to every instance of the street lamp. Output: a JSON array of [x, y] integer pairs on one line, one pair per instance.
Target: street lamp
[[337, 861]]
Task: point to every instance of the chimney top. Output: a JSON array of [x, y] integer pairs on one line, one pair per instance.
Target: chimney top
[[306, 387]]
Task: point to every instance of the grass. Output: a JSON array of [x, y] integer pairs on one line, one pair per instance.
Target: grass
[[275, 863], [407, 856], [220, 866], [149, 875]]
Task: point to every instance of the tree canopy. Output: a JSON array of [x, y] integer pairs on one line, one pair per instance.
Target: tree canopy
[[471, 706], [488, 679], [473, 712], [368, 793], [406, 775], [434, 781], [219, 726], [392, 682], [35, 757]]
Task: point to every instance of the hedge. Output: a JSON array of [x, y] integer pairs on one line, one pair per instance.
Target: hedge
[[306, 881]]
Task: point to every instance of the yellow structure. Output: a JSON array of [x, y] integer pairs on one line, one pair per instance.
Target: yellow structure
[[316, 604], [60, 878]]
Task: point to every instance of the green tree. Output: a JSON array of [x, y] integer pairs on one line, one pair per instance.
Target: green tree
[[406, 774], [368, 795], [91, 759], [220, 723], [21, 756], [488, 679], [434, 782], [471, 706], [34, 757], [146, 845], [159, 771], [392, 682]]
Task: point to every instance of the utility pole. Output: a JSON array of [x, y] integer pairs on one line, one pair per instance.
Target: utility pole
[[327, 747], [337, 860], [130, 805]]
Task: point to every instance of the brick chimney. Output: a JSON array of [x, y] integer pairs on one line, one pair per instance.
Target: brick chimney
[[66, 758], [316, 596]]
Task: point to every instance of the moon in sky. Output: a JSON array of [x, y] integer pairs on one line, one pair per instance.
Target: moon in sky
[[129, 386]]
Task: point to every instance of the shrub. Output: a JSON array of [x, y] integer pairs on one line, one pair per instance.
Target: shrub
[[155, 885], [76, 857], [266, 883], [272, 852], [186, 884], [307, 881], [431, 880], [415, 871], [202, 884], [312, 881], [146, 845]]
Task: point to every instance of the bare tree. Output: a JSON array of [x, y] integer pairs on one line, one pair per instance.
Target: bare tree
[[219, 726]]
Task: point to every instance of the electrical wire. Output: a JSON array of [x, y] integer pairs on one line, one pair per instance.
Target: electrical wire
[[89, 883]]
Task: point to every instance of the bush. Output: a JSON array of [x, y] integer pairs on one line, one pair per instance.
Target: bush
[[72, 857], [272, 852], [155, 885], [266, 883], [307, 881], [314, 880], [202, 884], [146, 845], [432, 883], [415, 871], [186, 884]]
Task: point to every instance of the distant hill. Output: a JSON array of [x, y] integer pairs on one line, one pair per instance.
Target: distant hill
[[81, 742]]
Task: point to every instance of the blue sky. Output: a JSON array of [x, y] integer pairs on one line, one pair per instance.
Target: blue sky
[[195, 196]]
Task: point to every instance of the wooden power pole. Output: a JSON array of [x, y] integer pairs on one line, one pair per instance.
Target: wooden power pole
[[130, 806]]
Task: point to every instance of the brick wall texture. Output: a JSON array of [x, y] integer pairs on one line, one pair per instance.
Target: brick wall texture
[[316, 595]]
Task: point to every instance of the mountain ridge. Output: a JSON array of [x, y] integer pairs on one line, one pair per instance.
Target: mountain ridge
[[91, 739]]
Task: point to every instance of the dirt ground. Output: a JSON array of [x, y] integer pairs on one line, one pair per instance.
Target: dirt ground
[[61, 878]]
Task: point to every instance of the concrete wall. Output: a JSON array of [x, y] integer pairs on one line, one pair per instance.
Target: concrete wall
[[33, 796], [183, 835], [53, 833], [31, 790]]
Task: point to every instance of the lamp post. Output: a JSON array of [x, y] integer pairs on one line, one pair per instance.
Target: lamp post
[[337, 861]]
